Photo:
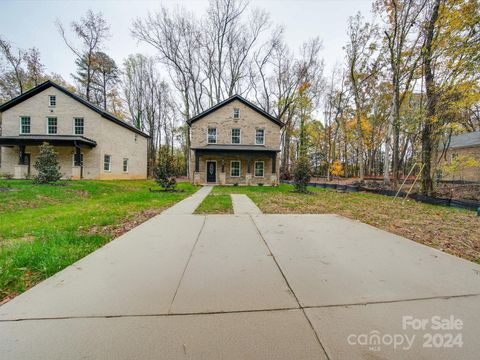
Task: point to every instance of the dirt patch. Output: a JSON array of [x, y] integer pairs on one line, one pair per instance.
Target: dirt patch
[[80, 193], [5, 189], [128, 224]]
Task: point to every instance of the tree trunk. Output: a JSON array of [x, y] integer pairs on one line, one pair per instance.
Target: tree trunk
[[427, 182]]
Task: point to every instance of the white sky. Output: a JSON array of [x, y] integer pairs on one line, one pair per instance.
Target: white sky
[[31, 23]]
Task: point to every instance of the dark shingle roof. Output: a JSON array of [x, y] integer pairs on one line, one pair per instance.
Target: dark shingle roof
[[243, 101], [465, 140], [43, 86]]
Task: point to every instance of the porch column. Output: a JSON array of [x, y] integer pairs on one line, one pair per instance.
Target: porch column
[[248, 175]]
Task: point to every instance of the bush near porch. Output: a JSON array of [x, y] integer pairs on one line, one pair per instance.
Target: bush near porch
[[44, 228], [454, 231]]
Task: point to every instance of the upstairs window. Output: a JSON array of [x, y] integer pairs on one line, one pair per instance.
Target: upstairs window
[[52, 100], [107, 162], [235, 168], [236, 113], [25, 125], [78, 126], [212, 135], [52, 125], [125, 165], [235, 136], [259, 137]]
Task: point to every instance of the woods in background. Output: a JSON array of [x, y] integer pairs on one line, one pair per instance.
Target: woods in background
[[409, 80]]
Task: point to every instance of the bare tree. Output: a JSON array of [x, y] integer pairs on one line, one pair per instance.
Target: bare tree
[[92, 30], [362, 62], [14, 59], [403, 55]]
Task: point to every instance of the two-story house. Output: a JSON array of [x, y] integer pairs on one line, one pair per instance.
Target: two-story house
[[91, 143], [234, 142]]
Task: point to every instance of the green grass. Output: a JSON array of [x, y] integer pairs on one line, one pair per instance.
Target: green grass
[[455, 231], [45, 228], [215, 204]]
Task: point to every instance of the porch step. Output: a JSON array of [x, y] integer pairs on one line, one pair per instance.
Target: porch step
[[242, 204]]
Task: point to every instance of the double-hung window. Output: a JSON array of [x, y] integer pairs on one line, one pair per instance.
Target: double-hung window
[[125, 165], [25, 125], [52, 100], [51, 125], [78, 126], [259, 136], [236, 113], [235, 136], [259, 168], [107, 163], [212, 135], [235, 168]]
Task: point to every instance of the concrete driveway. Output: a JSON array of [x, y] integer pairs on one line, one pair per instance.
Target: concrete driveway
[[250, 286]]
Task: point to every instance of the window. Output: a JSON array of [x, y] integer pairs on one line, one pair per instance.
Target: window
[[212, 135], [236, 113], [51, 125], [25, 125], [259, 136], [78, 126], [52, 100], [107, 162], [259, 168], [235, 168], [125, 165], [78, 160], [235, 136]]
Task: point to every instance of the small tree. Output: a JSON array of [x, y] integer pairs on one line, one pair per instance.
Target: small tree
[[47, 165], [165, 171], [336, 169], [302, 174]]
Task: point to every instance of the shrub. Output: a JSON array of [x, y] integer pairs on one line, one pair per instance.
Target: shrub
[[302, 174], [47, 165], [165, 171]]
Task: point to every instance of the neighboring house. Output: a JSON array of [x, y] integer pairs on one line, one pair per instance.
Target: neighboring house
[[234, 142], [91, 143], [464, 149]]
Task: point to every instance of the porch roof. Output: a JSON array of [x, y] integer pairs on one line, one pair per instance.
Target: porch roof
[[60, 140], [235, 148]]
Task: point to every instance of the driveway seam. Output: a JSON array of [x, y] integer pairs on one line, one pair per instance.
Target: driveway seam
[[151, 315], [290, 288], [186, 264]]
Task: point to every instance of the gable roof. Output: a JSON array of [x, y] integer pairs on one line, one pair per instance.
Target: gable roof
[[465, 140], [228, 101], [47, 84]]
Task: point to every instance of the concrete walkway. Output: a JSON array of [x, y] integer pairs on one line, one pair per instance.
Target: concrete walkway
[[188, 205], [243, 205], [246, 287]]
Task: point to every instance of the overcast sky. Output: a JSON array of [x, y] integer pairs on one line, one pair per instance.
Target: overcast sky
[[31, 23]]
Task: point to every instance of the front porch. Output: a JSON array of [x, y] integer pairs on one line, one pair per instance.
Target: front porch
[[224, 165], [18, 154]]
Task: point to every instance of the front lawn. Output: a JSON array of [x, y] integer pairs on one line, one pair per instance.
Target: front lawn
[[216, 204], [44, 228], [454, 231]]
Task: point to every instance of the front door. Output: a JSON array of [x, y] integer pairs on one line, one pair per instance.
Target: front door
[[211, 171], [27, 162]]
